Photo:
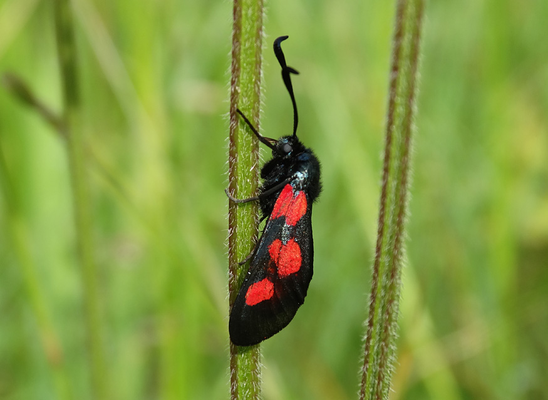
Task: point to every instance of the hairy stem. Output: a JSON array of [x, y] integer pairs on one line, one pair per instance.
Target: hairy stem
[[389, 252], [245, 91]]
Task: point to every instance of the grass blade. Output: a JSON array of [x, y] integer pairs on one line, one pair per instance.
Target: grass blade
[[66, 50]]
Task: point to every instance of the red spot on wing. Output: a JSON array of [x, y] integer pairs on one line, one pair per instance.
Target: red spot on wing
[[290, 259], [283, 201], [287, 257], [296, 209], [292, 208], [274, 250], [259, 291]]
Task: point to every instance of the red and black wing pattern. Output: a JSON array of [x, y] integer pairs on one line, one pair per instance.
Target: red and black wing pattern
[[279, 274]]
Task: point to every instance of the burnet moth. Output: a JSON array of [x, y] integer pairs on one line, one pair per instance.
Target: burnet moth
[[281, 262]]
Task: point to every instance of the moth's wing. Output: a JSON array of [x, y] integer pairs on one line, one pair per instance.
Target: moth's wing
[[277, 280]]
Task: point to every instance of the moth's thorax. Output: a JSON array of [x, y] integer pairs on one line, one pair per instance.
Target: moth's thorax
[[306, 171], [300, 168], [299, 165]]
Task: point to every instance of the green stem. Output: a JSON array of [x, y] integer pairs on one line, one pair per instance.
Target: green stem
[[37, 301], [389, 254], [245, 91], [66, 50]]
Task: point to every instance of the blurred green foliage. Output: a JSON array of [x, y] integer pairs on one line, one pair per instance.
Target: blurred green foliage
[[155, 88]]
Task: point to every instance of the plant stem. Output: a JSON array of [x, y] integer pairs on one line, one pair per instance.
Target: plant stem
[[22, 250], [245, 91], [389, 254], [66, 50]]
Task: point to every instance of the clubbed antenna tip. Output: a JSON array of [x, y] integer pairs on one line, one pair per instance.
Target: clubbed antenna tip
[[286, 76]]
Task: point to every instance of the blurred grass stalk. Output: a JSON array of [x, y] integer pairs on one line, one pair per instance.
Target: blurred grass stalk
[[245, 92], [19, 236], [379, 355], [37, 301], [71, 125]]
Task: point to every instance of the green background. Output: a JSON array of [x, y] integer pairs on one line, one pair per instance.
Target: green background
[[154, 80]]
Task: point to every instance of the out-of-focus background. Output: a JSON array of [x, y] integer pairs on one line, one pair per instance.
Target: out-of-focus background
[[153, 74]]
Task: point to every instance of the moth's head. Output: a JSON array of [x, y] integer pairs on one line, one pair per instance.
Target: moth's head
[[287, 146]]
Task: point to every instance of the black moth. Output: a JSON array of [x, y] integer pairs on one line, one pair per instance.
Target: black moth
[[281, 263]]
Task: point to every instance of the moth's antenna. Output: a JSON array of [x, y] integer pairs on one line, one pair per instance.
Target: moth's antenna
[[269, 142], [286, 71]]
